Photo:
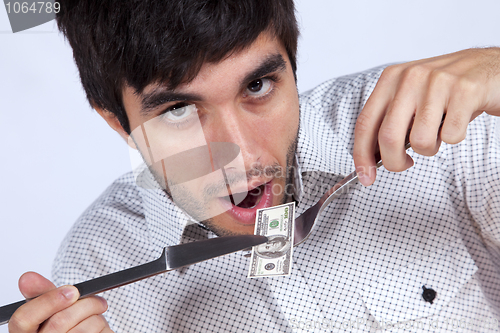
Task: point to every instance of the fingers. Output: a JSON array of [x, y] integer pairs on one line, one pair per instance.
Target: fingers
[[49, 313], [84, 313], [424, 133], [56, 310], [31, 315], [416, 95], [398, 119], [463, 107], [384, 121], [32, 284], [94, 324], [367, 125]]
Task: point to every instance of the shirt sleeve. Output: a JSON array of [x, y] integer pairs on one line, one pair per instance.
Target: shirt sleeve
[[479, 170]]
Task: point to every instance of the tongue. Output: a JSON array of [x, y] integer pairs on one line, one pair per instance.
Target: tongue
[[252, 198]]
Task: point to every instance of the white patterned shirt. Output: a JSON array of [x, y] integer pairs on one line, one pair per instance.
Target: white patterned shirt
[[363, 269]]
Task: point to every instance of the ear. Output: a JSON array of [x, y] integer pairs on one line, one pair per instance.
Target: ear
[[114, 123]]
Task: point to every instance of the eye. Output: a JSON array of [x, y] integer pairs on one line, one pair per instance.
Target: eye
[[179, 112], [259, 87]]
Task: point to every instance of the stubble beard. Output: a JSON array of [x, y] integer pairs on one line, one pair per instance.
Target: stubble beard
[[194, 208], [286, 196]]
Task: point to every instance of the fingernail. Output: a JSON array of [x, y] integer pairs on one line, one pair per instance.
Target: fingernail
[[69, 292], [363, 178], [103, 301]]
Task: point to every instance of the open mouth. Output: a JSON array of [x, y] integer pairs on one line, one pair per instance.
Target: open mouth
[[242, 207], [246, 200]]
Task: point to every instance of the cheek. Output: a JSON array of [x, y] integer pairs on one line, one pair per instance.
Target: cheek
[[282, 127]]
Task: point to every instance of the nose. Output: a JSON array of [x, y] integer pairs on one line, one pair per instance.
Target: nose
[[239, 127]]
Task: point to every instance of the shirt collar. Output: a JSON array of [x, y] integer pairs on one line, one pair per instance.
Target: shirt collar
[[324, 143]]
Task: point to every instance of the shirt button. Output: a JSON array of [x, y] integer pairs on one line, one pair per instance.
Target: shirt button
[[428, 294]]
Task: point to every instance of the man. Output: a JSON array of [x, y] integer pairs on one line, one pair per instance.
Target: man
[[224, 72], [276, 247]]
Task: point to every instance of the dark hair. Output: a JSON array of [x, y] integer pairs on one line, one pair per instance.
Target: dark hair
[[138, 42]]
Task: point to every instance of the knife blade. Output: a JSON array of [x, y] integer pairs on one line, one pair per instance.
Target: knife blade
[[173, 257]]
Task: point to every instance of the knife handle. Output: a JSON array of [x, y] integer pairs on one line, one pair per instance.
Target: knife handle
[[103, 283], [7, 311]]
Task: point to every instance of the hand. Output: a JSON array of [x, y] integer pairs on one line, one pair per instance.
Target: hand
[[57, 310], [461, 85]]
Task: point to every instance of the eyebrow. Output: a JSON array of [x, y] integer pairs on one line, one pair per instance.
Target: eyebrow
[[159, 96], [272, 64]]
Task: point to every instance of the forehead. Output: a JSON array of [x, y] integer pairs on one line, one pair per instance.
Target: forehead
[[229, 70], [240, 63]]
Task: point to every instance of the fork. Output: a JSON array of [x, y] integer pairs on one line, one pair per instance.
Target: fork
[[305, 223]]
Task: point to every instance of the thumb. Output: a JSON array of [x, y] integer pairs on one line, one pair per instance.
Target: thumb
[[32, 284]]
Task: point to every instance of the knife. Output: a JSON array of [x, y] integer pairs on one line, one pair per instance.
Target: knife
[[173, 257]]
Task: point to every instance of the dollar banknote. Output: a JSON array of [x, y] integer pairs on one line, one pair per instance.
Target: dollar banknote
[[273, 258]]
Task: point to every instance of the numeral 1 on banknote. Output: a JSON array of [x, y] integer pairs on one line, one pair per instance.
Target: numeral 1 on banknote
[[273, 258]]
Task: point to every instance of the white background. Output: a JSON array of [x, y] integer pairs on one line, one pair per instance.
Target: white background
[[57, 155]]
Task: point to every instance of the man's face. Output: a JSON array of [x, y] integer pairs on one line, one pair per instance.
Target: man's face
[[249, 99], [272, 246]]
